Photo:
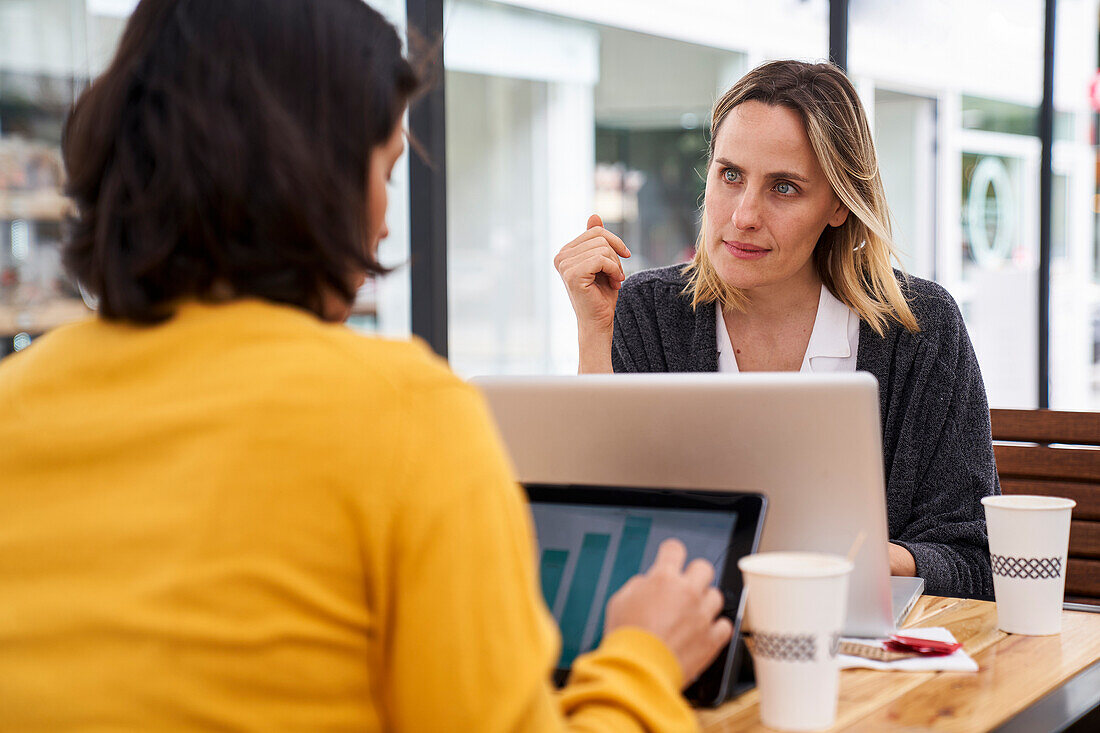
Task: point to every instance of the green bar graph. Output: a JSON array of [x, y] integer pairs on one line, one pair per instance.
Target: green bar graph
[[578, 603], [628, 561], [551, 570]]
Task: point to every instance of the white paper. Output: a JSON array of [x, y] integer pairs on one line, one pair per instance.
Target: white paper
[[958, 661]]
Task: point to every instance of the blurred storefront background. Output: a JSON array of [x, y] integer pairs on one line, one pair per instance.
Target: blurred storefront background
[[49, 51], [557, 108]]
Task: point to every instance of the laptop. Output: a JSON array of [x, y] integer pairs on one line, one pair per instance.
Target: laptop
[[592, 539], [810, 443]]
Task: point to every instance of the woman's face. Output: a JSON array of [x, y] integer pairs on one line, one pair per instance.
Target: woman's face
[[382, 160], [767, 199]]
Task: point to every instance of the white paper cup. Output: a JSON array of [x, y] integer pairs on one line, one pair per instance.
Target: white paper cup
[[796, 603], [1028, 541]]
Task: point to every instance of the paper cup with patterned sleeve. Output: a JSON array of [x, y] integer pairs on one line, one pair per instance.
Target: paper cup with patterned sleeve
[[796, 603], [1028, 542]]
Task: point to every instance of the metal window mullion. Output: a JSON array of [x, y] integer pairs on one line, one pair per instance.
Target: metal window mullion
[[838, 33], [428, 186], [1046, 136]]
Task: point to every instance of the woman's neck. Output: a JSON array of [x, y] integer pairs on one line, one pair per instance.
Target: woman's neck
[[782, 301], [773, 332]]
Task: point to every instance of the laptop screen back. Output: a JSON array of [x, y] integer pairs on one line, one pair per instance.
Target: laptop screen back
[[811, 443]]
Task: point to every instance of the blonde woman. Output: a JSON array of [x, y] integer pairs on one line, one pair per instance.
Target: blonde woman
[[792, 272]]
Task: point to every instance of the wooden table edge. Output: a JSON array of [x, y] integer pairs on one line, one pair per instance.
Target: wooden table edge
[[929, 611]]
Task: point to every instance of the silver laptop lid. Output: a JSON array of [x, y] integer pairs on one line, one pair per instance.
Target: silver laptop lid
[[810, 442]]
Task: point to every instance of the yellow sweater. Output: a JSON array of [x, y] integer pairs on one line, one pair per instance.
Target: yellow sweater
[[247, 519]]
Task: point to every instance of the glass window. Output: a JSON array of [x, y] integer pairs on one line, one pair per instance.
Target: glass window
[[954, 91], [905, 139], [1094, 367], [1059, 219], [498, 282], [44, 62], [573, 110], [996, 115], [1074, 294], [1000, 268], [649, 185], [49, 49], [992, 236]]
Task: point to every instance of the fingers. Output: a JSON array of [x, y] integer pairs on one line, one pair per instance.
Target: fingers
[[613, 239], [712, 603], [609, 267], [720, 633], [582, 267], [590, 241], [599, 235], [601, 280], [700, 573], [595, 222], [670, 556]]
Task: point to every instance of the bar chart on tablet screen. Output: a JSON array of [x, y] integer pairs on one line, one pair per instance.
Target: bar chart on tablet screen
[[586, 553]]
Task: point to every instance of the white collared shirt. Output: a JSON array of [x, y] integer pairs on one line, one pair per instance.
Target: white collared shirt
[[833, 344]]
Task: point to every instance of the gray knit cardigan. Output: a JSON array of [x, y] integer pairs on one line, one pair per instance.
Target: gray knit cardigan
[[935, 419]]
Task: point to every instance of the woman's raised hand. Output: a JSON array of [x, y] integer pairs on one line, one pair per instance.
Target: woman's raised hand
[[593, 274]]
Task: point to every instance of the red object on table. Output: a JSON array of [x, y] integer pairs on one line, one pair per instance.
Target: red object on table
[[926, 647]]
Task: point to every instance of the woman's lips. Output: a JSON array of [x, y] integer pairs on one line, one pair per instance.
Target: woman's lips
[[744, 250]]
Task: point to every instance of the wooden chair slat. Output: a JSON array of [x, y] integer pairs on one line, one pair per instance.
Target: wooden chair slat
[[1073, 472], [1087, 496], [1084, 539], [1028, 461], [1083, 578], [1046, 426]]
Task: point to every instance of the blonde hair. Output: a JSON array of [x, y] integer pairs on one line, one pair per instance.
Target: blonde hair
[[854, 259]]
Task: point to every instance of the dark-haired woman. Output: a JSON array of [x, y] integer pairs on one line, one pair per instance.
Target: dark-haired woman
[[222, 510]]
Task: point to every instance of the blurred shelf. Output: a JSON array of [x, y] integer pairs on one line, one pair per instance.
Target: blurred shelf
[[40, 318], [41, 205]]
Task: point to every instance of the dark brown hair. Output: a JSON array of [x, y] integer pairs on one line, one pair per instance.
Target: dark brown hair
[[226, 149]]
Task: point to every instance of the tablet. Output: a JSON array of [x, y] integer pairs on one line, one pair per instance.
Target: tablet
[[592, 539]]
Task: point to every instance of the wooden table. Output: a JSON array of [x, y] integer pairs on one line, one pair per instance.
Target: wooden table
[[1014, 673]]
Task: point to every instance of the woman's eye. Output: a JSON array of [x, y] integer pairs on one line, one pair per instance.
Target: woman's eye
[[784, 188], [730, 175]]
